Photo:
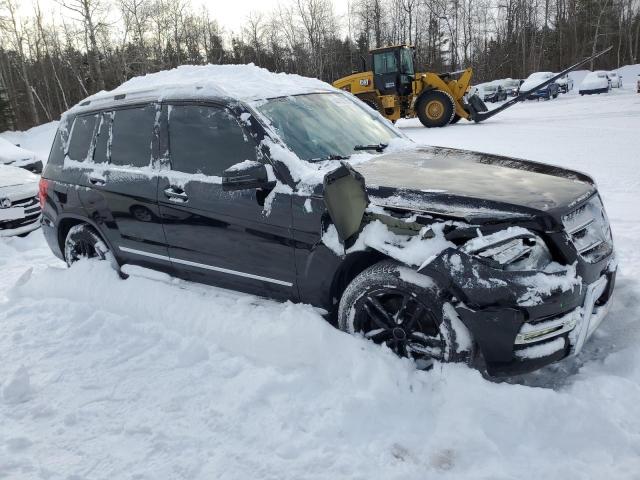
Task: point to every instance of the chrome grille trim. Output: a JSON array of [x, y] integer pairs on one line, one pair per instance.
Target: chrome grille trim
[[588, 230]]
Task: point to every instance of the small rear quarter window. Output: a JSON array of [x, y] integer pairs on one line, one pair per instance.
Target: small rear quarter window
[[81, 137]]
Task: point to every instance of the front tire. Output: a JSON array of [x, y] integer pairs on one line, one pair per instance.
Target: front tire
[[83, 242], [393, 305], [435, 109]]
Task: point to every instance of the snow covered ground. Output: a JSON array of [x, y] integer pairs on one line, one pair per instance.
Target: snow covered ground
[[157, 378]]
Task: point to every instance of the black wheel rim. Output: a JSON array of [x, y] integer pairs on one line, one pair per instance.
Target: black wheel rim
[[401, 321], [82, 249]]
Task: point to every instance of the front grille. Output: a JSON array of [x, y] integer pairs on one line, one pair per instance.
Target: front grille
[[31, 207], [589, 230]]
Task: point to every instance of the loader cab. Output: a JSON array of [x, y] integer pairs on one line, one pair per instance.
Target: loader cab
[[393, 70]]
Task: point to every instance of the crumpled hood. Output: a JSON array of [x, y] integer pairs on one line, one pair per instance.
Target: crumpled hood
[[471, 184]]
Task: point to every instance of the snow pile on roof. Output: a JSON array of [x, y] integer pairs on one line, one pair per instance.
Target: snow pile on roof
[[244, 82]]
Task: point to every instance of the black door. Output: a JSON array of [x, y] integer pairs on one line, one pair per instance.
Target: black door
[[122, 180], [386, 72], [239, 240]]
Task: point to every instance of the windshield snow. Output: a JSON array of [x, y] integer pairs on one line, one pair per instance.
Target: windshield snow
[[325, 125]]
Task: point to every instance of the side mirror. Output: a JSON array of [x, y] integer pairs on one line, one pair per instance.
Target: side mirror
[[245, 176]]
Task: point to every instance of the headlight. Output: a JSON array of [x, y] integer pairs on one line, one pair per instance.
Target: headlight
[[514, 249]]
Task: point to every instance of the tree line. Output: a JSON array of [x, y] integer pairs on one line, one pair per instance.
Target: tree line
[[50, 62]]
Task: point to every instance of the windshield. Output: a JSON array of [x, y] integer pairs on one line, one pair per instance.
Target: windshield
[[385, 63], [325, 125]]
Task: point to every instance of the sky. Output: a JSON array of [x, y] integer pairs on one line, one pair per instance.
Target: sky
[[230, 14]]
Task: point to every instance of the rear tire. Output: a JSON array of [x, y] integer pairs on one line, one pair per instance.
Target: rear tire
[[385, 305], [435, 108], [83, 242]]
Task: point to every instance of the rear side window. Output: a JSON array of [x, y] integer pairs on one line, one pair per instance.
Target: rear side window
[[81, 137], [132, 133], [207, 140]]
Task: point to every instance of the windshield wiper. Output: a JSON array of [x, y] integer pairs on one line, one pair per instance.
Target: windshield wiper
[[377, 147], [330, 157]]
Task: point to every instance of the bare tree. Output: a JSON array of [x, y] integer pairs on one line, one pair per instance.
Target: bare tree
[[13, 27], [89, 10]]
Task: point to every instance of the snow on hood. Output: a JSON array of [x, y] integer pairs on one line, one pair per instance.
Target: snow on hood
[[10, 176], [242, 82], [10, 153]]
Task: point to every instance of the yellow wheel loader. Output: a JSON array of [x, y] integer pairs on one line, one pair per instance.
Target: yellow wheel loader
[[394, 89]]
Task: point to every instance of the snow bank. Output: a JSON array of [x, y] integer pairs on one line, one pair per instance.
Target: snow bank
[[37, 139], [177, 380]]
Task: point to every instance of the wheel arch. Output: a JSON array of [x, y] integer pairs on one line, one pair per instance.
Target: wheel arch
[[67, 221], [352, 265]]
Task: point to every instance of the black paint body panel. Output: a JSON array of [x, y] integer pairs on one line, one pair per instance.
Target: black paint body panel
[[270, 244]]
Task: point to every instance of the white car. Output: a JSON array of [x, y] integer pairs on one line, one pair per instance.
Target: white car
[[616, 80], [11, 154], [511, 86], [19, 204], [565, 83], [595, 82]]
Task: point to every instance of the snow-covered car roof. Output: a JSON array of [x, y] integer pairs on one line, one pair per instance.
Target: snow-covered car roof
[[10, 153], [238, 82], [540, 75], [10, 176]]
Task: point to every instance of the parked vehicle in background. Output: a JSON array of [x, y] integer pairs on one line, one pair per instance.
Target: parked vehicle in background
[[638, 84], [19, 206], [565, 84], [495, 93], [439, 254], [550, 91], [595, 82], [511, 86], [11, 154], [616, 79]]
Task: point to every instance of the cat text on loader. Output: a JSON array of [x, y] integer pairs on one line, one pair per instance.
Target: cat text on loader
[[395, 90]]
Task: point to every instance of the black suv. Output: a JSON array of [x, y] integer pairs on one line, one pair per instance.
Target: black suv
[[440, 254]]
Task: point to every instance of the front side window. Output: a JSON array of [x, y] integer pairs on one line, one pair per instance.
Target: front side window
[[132, 133], [206, 139], [406, 59], [81, 136], [385, 63], [323, 125]]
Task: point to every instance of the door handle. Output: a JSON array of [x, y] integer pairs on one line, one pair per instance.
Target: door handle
[[176, 194], [97, 181]]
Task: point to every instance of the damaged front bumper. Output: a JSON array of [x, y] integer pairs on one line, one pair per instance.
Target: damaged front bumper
[[515, 331]]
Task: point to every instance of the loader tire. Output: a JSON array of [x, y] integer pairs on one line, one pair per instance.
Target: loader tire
[[456, 118], [435, 108], [371, 105]]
